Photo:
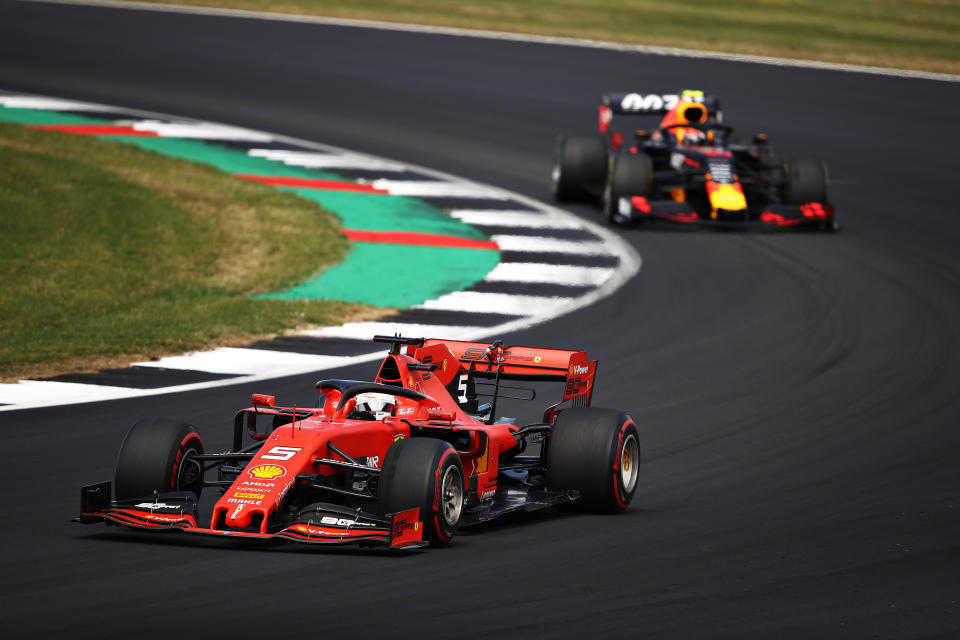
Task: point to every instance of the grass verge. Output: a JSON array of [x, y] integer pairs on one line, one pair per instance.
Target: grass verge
[[907, 34], [110, 254]]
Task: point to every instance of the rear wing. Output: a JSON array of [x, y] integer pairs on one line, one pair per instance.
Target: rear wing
[[637, 103], [656, 103], [652, 104], [521, 363]]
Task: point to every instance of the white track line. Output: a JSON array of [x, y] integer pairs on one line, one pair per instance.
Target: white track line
[[239, 361], [199, 130], [366, 331], [549, 274], [542, 244], [479, 302], [49, 104], [528, 219], [679, 52], [459, 189], [44, 392], [313, 160]]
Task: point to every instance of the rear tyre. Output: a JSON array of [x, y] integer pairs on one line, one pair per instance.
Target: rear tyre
[[155, 455], [632, 175], [804, 180], [424, 473], [579, 168], [597, 452]]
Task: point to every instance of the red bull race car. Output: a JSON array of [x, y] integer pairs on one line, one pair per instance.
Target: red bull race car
[[400, 462], [688, 170]]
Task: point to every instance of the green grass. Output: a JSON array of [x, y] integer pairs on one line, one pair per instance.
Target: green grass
[[913, 34], [109, 253]]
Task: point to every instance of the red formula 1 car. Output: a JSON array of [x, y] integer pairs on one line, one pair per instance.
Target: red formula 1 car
[[400, 462], [688, 170]]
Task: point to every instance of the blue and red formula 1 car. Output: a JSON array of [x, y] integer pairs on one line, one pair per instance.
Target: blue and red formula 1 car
[[687, 170], [399, 462]]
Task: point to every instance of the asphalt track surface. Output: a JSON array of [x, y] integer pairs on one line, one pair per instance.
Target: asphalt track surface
[[796, 394]]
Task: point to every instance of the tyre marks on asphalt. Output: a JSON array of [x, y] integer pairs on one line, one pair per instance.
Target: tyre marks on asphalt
[[550, 262]]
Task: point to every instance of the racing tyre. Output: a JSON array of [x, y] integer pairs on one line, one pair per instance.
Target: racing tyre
[[804, 180], [597, 452], [153, 457], [424, 473], [579, 168], [632, 175]]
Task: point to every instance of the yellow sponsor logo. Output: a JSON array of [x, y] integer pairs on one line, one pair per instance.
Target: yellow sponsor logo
[[267, 471], [727, 196], [247, 494]]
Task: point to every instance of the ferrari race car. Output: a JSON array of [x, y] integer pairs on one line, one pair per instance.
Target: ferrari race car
[[400, 462], [688, 170]]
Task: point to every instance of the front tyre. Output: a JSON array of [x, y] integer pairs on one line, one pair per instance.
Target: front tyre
[[804, 180], [579, 168], [156, 456], [632, 175], [425, 473], [597, 452]]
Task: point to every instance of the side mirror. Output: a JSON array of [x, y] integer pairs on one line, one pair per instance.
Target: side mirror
[[263, 400]]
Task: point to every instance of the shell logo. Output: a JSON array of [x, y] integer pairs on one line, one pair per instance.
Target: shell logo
[[267, 471]]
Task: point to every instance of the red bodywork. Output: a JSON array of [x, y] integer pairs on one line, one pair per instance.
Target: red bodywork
[[320, 440]]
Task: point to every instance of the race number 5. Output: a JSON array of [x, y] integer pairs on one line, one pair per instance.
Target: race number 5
[[281, 453]]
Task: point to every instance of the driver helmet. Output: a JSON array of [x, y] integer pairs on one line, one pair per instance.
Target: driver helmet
[[380, 405]]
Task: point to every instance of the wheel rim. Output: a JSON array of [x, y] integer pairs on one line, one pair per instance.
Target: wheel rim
[[191, 472], [629, 462], [555, 179], [452, 496]]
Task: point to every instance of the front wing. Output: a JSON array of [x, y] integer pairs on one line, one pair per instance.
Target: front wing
[[812, 215], [180, 512]]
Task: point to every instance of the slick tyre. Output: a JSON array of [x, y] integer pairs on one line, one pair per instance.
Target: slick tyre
[[154, 457], [579, 168], [632, 175], [424, 473], [597, 452], [804, 180]]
